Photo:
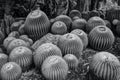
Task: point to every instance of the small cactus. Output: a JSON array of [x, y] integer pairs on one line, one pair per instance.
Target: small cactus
[[101, 38], [55, 68], [71, 60], [14, 34], [75, 14], [59, 27], [11, 71]]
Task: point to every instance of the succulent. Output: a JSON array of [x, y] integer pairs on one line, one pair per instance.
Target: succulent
[[44, 51], [118, 29], [3, 59], [7, 40], [85, 15], [75, 14], [101, 38], [22, 56], [16, 43], [71, 44], [59, 27], [55, 68], [71, 60], [105, 66], [14, 34], [11, 71], [48, 38], [82, 35], [37, 24], [66, 19], [79, 24], [93, 22]]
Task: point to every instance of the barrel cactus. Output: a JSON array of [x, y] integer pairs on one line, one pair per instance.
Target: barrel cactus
[[7, 40], [105, 66], [66, 19], [70, 44], [16, 43], [21, 29], [93, 22], [55, 68], [59, 27], [82, 35], [37, 24], [11, 71], [44, 51], [75, 14], [101, 38], [71, 60], [3, 59], [79, 24], [22, 56], [15, 26]]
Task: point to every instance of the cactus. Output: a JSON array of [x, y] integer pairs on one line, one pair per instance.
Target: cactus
[[21, 29], [2, 37], [37, 24], [75, 14], [70, 44], [71, 60], [7, 41], [66, 19], [79, 24], [93, 22], [59, 27], [105, 66], [22, 56], [82, 35], [11, 71], [16, 43], [44, 51], [55, 68], [101, 38]]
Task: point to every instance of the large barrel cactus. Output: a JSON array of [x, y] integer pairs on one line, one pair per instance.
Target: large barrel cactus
[[59, 27], [55, 68], [79, 24], [71, 60], [10, 71], [44, 51], [101, 38], [16, 43], [82, 35], [93, 22], [22, 56], [37, 24], [105, 66], [70, 44]]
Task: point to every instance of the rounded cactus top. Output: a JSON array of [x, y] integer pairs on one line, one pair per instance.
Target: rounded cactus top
[[106, 56], [75, 13], [35, 14]]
